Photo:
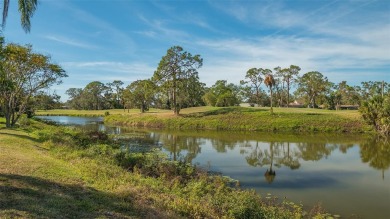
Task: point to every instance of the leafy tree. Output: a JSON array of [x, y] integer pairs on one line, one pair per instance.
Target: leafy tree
[[75, 96], [343, 94], [23, 74], [254, 77], [222, 94], [311, 85], [44, 101], [93, 95], [195, 92], [26, 10], [290, 75], [140, 94], [269, 81], [173, 73], [116, 87], [370, 89]]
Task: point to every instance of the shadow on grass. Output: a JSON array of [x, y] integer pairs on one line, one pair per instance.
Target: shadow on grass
[[26, 196], [19, 136]]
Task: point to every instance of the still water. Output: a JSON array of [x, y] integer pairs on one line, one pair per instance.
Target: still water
[[347, 174]]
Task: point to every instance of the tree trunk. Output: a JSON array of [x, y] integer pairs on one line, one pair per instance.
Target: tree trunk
[[288, 93], [270, 90]]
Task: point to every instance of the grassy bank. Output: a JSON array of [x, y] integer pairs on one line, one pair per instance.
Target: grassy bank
[[247, 119], [48, 172], [68, 112]]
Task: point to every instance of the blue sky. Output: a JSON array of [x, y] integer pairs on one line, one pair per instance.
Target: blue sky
[[108, 40]]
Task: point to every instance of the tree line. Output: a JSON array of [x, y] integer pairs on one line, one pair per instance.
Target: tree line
[[175, 85]]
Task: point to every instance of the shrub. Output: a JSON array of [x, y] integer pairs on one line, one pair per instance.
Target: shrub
[[376, 112]]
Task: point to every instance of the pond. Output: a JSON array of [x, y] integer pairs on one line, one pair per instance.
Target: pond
[[348, 174]]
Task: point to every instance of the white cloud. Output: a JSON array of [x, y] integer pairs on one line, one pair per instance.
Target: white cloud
[[160, 27], [231, 58], [113, 68], [71, 42]]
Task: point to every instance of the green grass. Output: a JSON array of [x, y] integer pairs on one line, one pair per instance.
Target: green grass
[[248, 119], [35, 183], [68, 112], [50, 172]]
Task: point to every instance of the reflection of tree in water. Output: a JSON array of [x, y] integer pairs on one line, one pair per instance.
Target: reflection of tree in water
[[261, 158], [283, 154], [137, 142], [175, 144], [376, 152], [315, 151], [289, 159], [222, 145], [344, 147]]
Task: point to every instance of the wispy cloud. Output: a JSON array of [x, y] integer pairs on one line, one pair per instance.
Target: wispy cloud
[[71, 42], [115, 68], [159, 26], [230, 58]]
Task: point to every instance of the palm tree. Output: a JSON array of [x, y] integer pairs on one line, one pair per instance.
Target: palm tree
[[26, 9], [269, 81]]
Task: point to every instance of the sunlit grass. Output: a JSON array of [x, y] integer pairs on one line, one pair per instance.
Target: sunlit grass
[[248, 119], [231, 118], [69, 112], [353, 114]]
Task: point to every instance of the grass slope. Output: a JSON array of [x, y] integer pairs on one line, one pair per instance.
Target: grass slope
[[34, 183], [247, 119]]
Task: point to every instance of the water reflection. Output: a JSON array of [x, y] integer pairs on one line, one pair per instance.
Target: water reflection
[[333, 169], [183, 147], [376, 152]]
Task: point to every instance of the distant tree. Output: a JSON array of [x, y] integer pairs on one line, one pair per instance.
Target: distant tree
[[173, 73], [370, 89], [344, 94], [280, 85], [290, 76], [116, 87], [93, 95], [195, 92], [140, 94], [311, 85], [75, 98], [45, 101], [26, 10], [23, 73], [222, 94], [254, 78], [269, 81]]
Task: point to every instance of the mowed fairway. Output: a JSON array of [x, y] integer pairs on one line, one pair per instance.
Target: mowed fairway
[[352, 114], [232, 118]]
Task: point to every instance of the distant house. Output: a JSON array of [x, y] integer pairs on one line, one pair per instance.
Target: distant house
[[296, 104]]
